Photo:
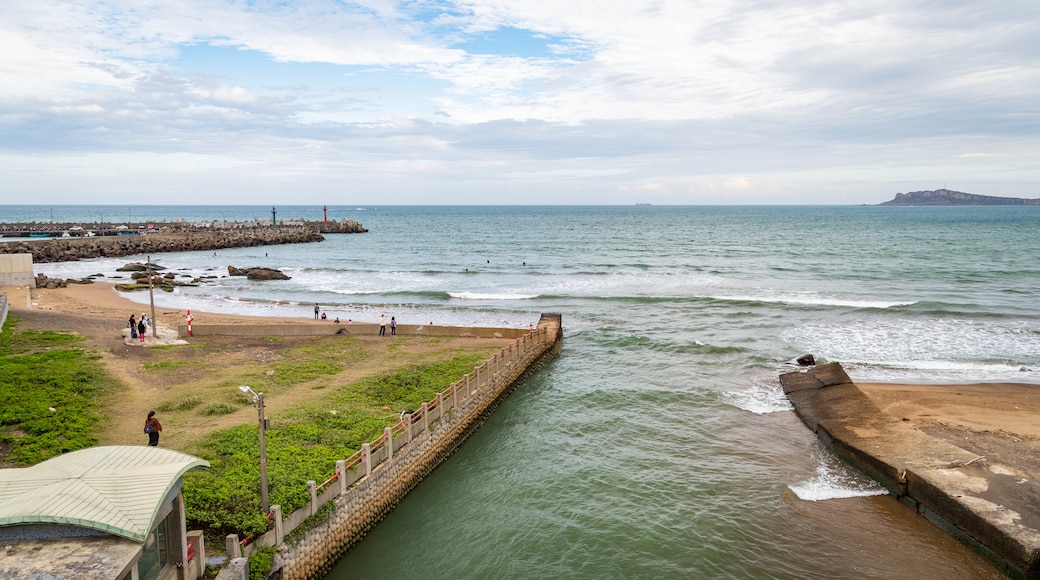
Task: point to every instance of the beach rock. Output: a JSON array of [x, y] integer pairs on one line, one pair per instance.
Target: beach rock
[[266, 274], [42, 281], [139, 267], [806, 360], [258, 273]]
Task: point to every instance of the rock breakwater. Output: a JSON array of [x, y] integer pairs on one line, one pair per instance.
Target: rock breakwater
[[177, 237]]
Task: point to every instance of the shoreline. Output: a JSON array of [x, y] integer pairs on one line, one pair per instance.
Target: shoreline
[[102, 300], [967, 457]]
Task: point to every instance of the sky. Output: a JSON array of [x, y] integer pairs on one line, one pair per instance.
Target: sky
[[525, 102]]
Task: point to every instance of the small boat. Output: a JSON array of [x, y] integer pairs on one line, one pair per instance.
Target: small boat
[[128, 233], [41, 235]]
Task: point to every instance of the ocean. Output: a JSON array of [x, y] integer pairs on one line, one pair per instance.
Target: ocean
[[659, 444]]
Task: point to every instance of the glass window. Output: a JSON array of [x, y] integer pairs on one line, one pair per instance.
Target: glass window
[[156, 553]]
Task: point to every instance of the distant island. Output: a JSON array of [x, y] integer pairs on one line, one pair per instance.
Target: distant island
[[949, 197]]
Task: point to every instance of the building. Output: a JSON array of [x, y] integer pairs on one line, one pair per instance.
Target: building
[[111, 512]]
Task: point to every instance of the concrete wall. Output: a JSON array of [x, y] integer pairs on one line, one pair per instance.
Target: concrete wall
[[16, 270], [326, 328], [364, 495]]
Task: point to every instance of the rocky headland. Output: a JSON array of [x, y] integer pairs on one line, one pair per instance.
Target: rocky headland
[[950, 197], [172, 237]]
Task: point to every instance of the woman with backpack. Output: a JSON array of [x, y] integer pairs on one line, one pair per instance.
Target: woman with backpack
[[152, 427]]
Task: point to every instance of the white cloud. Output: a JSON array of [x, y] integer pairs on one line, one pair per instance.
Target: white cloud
[[657, 98]]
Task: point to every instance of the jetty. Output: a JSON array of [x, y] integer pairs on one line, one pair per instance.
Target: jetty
[[71, 242], [988, 502]]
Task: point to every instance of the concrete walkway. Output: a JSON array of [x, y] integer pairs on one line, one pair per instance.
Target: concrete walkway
[[986, 505]]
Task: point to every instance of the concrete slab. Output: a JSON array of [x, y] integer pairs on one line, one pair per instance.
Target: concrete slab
[[990, 507]]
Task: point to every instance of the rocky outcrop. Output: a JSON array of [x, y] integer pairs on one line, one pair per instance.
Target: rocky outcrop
[[258, 273], [948, 197], [139, 267], [167, 240]]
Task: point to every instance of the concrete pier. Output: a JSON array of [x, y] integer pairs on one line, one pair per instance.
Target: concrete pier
[[986, 504]]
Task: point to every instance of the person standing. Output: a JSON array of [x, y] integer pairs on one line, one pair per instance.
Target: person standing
[[152, 427], [382, 325], [316, 309], [393, 326], [140, 329], [133, 326]]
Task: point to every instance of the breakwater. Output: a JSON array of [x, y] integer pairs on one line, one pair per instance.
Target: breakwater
[[109, 241], [366, 486], [986, 504]]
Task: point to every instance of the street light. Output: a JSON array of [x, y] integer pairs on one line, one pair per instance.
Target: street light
[[258, 400]]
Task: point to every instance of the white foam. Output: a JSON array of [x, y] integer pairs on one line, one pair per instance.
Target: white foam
[[763, 397], [811, 299], [940, 348], [500, 296], [834, 480]]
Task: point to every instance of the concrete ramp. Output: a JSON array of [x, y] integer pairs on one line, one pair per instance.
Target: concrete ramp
[[959, 491]]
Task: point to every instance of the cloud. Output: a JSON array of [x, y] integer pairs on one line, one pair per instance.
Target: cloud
[[657, 98]]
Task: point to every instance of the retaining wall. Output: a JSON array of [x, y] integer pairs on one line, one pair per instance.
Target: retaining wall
[[370, 484], [17, 270]]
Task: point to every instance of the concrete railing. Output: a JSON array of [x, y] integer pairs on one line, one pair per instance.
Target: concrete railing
[[368, 484]]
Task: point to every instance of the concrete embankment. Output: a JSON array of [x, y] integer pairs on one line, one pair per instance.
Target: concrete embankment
[[175, 238], [369, 485], [982, 503]]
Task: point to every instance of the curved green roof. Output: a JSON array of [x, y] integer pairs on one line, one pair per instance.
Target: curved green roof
[[116, 489]]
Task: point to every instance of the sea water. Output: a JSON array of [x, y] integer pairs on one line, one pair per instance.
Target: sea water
[[659, 444]]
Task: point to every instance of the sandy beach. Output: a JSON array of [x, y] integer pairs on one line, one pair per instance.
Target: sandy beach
[[998, 421], [102, 300]]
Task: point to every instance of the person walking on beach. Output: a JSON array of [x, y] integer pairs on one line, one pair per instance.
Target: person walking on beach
[[393, 326], [382, 325], [152, 427], [316, 309], [133, 326]]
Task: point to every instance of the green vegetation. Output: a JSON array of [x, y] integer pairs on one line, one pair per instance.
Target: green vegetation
[[260, 563], [167, 365], [218, 409], [183, 404], [305, 363], [50, 391], [304, 444]]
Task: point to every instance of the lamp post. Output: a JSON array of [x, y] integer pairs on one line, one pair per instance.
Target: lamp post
[[258, 400]]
